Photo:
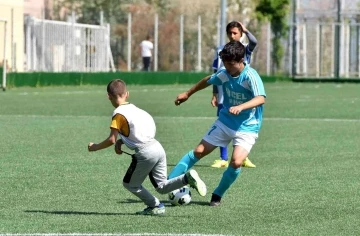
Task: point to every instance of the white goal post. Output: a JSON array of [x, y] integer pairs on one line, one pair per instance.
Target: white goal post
[[3, 84]]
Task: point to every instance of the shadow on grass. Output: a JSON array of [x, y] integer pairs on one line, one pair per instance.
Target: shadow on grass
[[166, 202], [92, 213], [78, 213]]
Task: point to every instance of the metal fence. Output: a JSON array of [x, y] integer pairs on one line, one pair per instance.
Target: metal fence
[[55, 46], [4, 64], [313, 49], [316, 46], [320, 51], [309, 51]]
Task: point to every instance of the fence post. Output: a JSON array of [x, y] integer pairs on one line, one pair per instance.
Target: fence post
[[43, 41], [294, 42], [13, 52], [4, 56], [268, 51], [156, 33], [318, 35], [199, 43], [304, 54], [181, 60], [337, 43], [129, 43]]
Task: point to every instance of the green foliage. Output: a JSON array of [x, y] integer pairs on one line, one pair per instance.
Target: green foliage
[[275, 11], [160, 5], [88, 11]]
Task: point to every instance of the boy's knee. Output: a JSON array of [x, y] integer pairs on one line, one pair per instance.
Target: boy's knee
[[199, 152], [131, 188], [160, 190]]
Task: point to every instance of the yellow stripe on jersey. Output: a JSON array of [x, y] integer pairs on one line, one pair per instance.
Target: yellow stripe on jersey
[[120, 123]]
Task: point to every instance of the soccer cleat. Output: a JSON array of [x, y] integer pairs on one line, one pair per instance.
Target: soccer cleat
[[195, 182], [248, 163], [158, 210], [220, 164], [215, 200], [214, 204]]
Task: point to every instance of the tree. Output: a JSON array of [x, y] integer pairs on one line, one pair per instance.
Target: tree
[[276, 12]]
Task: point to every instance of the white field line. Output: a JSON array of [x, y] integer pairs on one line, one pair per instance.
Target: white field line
[[115, 234], [187, 118]]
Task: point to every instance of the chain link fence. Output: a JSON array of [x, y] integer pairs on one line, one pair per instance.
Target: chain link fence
[[55, 46]]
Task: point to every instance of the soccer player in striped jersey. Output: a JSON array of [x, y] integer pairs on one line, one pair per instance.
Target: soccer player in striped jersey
[[137, 130], [234, 31], [239, 120]]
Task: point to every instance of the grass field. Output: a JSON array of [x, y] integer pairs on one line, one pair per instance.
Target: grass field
[[307, 179]]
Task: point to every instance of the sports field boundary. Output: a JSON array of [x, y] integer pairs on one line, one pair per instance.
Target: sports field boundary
[[41, 79], [110, 234]]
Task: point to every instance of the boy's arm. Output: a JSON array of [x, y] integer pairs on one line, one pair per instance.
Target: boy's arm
[[250, 36], [106, 143], [198, 86], [252, 41], [256, 101], [214, 97]]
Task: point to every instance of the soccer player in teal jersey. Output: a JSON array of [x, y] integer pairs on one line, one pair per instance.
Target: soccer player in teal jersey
[[239, 120], [234, 32]]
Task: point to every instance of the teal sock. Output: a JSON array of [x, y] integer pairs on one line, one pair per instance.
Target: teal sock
[[229, 176], [186, 162]]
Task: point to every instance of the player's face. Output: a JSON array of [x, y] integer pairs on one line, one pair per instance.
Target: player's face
[[234, 34], [233, 67]]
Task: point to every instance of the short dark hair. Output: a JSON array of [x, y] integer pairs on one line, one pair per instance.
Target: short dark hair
[[116, 87], [233, 24], [233, 51]]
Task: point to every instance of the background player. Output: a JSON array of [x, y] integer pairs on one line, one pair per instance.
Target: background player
[[234, 31]]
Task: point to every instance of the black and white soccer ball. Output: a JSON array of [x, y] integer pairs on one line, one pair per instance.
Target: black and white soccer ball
[[180, 197]]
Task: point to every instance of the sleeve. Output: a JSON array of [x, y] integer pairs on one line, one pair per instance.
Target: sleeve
[[214, 79], [256, 84], [252, 41], [215, 63], [120, 123], [215, 89]]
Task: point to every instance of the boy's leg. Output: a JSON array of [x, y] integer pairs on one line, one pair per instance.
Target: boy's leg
[[189, 159], [158, 176], [158, 172], [228, 178], [223, 161], [185, 163], [140, 167], [242, 146]]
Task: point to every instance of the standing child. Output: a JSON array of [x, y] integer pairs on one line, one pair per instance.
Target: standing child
[[234, 32], [137, 131], [239, 120], [146, 46]]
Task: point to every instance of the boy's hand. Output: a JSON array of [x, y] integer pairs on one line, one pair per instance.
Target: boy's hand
[[235, 110], [182, 97], [118, 147], [214, 102], [243, 27], [92, 147]]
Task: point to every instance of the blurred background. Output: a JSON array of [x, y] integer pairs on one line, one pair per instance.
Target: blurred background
[[296, 38]]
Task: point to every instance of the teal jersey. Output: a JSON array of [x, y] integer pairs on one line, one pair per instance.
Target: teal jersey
[[238, 90]]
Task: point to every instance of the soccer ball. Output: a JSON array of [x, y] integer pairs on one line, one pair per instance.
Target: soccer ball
[[180, 197]]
